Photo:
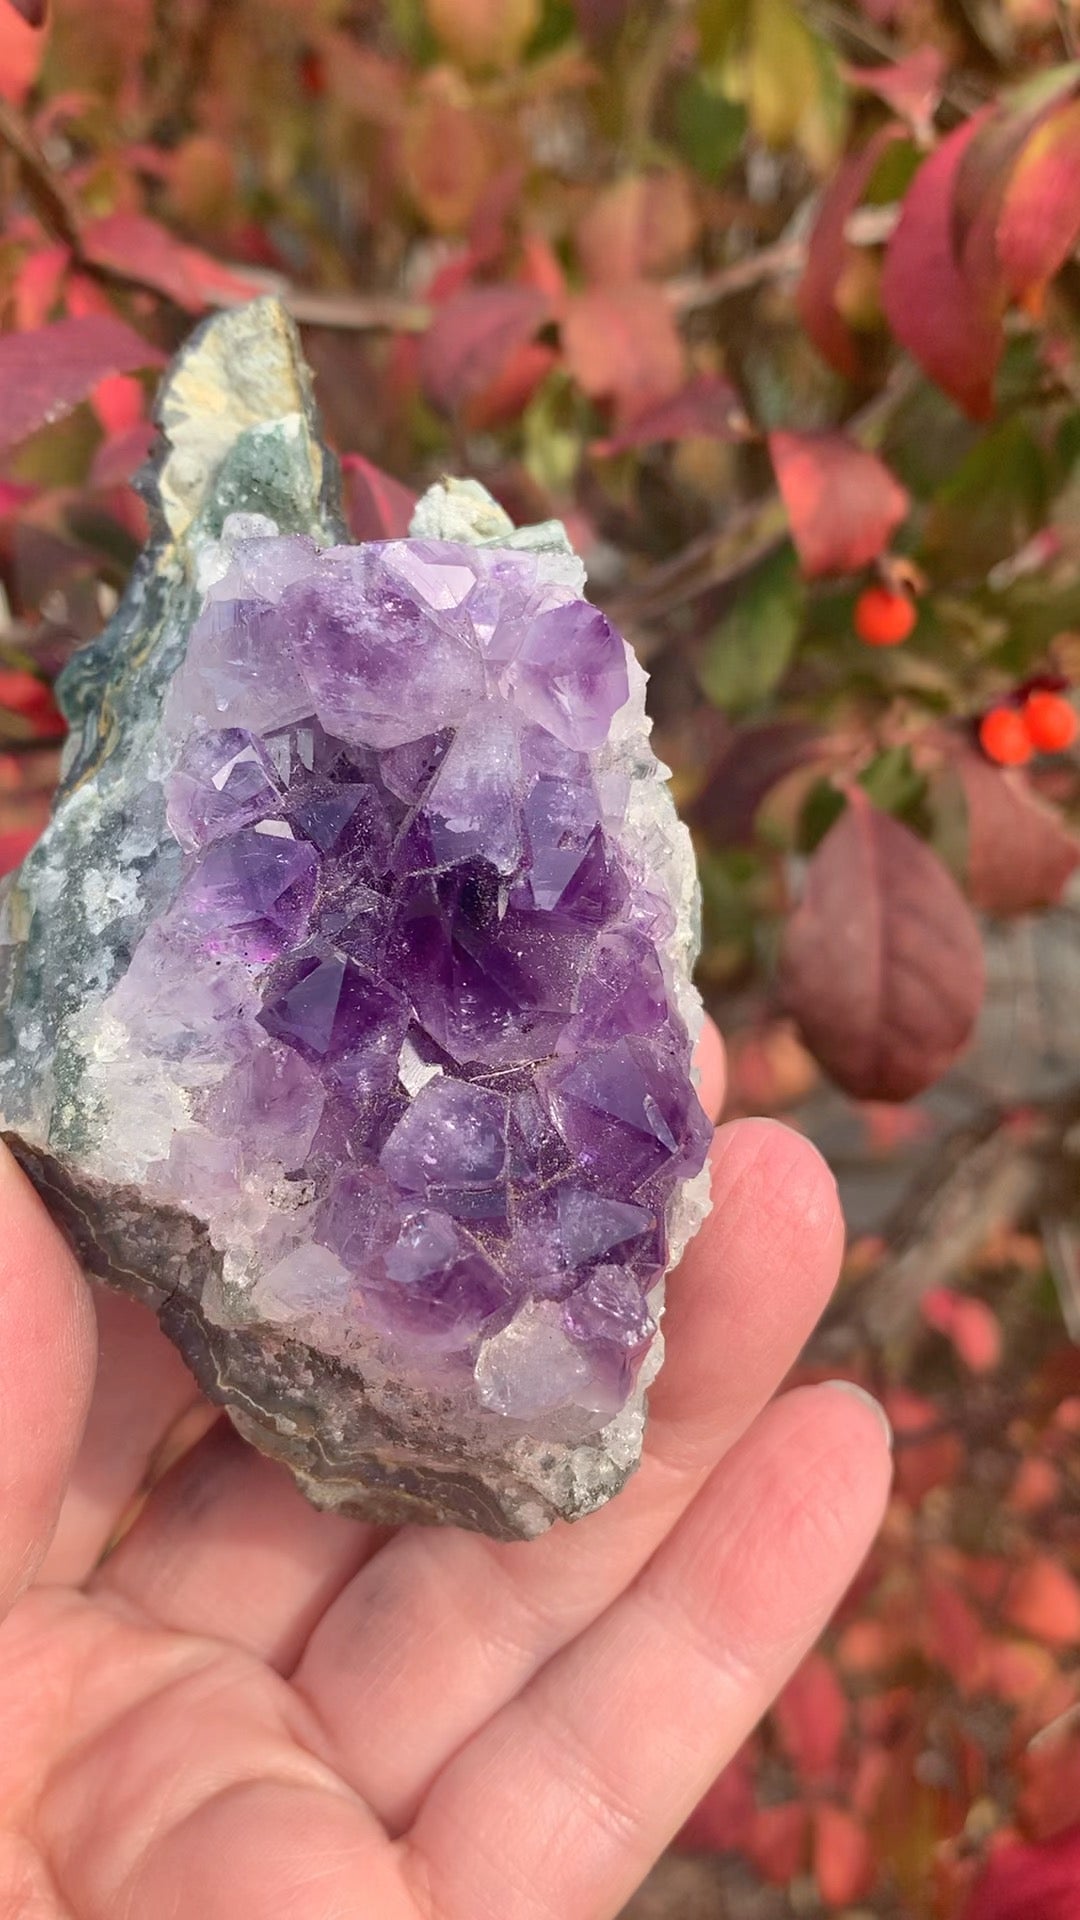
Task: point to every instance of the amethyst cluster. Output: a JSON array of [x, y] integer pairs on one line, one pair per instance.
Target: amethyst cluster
[[409, 1037]]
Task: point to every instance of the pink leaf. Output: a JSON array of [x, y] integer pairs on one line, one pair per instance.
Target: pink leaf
[[44, 374], [706, 408], [945, 318], [973, 1328], [377, 506], [22, 48], [1020, 853], [881, 962], [624, 345], [842, 502], [472, 338], [911, 86], [828, 254], [140, 249], [37, 285]]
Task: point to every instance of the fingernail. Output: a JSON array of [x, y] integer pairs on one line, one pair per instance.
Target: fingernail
[[868, 1400]]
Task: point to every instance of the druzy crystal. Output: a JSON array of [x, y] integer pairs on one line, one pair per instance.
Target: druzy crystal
[[434, 1076], [347, 1000]]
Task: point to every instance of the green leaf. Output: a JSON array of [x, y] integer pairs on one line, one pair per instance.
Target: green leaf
[[994, 501], [722, 26], [750, 651], [794, 91], [710, 129]]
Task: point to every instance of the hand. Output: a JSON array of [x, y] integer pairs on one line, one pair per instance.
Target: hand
[[251, 1711]]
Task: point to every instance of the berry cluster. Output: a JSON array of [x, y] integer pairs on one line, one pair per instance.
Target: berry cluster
[[1044, 722]]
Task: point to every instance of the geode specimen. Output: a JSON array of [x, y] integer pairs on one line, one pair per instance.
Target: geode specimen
[[348, 1012]]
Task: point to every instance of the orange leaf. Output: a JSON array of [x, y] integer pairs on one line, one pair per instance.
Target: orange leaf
[[842, 502], [1043, 1600], [777, 1841], [644, 224], [624, 345], [446, 158], [1040, 212], [843, 1856]]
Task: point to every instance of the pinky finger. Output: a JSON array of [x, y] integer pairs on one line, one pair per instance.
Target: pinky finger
[[571, 1793]]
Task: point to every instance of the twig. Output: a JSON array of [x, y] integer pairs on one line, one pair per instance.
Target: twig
[[47, 187], [348, 312]]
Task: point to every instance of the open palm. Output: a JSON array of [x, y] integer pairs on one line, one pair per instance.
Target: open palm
[[251, 1711]]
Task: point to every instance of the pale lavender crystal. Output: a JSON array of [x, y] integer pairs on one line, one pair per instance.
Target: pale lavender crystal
[[415, 981]]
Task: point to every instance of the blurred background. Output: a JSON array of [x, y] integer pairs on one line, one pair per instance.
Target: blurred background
[[777, 305]]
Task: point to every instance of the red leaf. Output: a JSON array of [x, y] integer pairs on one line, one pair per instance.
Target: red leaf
[[46, 373], [1040, 213], [843, 1857], [472, 338], [1043, 1600], [721, 1821], [624, 345], [756, 761], [1019, 852], [973, 1328], [828, 254], [377, 506], [33, 11], [842, 502], [951, 1632], [1030, 1883], [15, 846], [706, 408], [123, 454], [1050, 1778], [777, 1841], [22, 48], [945, 320], [926, 1456], [881, 963], [37, 285], [911, 86], [811, 1718], [140, 249]]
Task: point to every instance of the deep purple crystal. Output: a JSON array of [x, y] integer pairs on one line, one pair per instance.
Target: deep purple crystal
[[454, 1076]]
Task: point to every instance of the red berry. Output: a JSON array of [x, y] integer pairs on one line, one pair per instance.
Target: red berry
[[884, 618], [1004, 737], [1051, 722]]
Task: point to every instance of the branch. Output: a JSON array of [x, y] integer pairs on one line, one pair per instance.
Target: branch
[[46, 187]]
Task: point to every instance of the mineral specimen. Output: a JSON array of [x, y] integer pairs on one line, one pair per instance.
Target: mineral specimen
[[387, 1044]]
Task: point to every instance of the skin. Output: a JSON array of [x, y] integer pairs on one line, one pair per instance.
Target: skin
[[246, 1707]]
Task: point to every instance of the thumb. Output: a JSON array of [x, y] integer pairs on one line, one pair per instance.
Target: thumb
[[47, 1363]]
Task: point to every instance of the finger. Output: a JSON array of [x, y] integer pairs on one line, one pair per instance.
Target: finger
[[47, 1351], [709, 1061], [224, 1520], [228, 1546], [615, 1741], [142, 1388], [376, 1668]]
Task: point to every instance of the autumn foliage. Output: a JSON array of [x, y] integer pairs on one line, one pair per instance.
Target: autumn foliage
[[777, 306]]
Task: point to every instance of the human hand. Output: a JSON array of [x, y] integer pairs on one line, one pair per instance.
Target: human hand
[[251, 1711]]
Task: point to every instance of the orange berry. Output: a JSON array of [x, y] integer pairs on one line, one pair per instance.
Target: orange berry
[[883, 618], [1004, 737], [1051, 722]]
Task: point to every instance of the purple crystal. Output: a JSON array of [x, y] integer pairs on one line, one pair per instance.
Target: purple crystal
[[251, 894], [224, 781], [413, 905]]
